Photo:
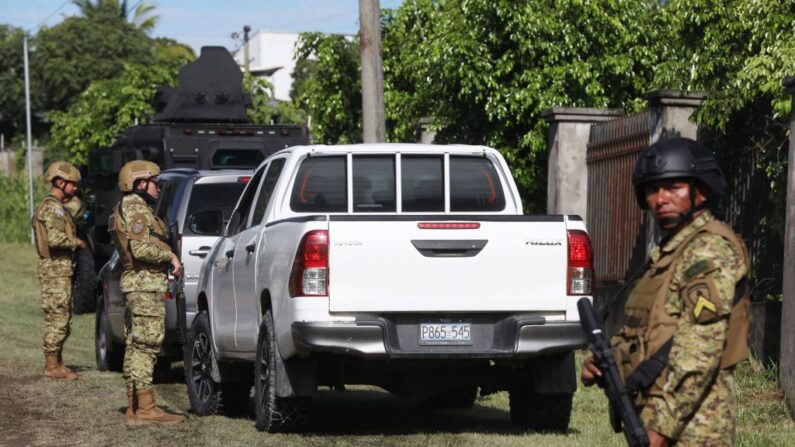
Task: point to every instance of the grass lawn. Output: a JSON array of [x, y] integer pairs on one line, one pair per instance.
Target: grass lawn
[[37, 411]]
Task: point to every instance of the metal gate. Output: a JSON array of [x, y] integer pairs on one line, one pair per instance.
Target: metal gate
[[615, 221]]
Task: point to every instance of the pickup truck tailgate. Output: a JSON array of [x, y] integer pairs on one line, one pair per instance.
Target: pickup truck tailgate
[[517, 263]]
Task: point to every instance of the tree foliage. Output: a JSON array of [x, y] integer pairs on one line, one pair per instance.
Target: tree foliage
[[109, 106]]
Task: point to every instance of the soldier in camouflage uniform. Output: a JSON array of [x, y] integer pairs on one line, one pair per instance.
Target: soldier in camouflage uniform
[[686, 319], [56, 241], [140, 238]]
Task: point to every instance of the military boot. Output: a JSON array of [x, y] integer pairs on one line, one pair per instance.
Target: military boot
[[148, 413], [53, 370], [129, 415], [69, 372]]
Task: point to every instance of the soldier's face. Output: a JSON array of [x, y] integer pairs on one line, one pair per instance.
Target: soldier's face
[[153, 187], [668, 199], [70, 188]]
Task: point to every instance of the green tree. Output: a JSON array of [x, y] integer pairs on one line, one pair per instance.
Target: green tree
[[329, 88], [485, 70], [12, 84], [109, 106], [78, 50]]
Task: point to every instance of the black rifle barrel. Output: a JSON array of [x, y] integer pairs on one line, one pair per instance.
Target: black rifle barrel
[[620, 400]]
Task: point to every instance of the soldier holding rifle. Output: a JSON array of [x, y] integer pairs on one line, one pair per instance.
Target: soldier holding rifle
[[686, 319]]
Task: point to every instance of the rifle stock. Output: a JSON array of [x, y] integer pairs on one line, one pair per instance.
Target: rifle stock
[[622, 414]]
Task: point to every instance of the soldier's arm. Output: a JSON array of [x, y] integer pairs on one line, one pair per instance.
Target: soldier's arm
[[141, 245], [54, 220], [702, 294]]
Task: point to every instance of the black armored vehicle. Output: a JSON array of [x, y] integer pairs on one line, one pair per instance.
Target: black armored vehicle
[[201, 124]]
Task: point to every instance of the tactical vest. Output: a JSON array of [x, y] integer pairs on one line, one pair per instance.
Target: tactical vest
[[648, 328], [40, 230], [121, 239]]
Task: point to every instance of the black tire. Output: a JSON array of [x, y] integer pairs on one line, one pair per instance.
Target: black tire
[[457, 398], [203, 392], [274, 413], [109, 356], [84, 283], [540, 412]]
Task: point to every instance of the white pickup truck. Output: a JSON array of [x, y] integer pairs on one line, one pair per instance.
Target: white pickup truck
[[408, 267]]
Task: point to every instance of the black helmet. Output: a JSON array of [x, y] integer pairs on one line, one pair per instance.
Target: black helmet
[[675, 158]]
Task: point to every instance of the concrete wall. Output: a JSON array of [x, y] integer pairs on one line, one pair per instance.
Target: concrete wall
[[567, 175], [8, 163]]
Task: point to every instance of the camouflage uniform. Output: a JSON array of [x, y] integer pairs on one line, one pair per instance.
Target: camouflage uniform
[[144, 286], [55, 271], [692, 402]]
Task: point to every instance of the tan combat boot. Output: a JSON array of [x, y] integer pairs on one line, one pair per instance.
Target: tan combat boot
[[148, 413], [53, 370], [129, 415], [69, 372]]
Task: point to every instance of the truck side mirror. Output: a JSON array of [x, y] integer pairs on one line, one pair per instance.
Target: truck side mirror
[[207, 223]]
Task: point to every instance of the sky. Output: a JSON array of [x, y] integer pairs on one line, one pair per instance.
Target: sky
[[209, 22]]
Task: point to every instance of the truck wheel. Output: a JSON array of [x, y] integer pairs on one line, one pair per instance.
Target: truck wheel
[[110, 356], [204, 393], [84, 282], [451, 398], [274, 413], [540, 412]]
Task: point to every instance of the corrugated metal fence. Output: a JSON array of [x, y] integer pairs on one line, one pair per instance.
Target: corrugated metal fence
[[614, 219]]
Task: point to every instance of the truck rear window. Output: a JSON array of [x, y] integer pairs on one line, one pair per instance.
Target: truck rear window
[[321, 185], [475, 185]]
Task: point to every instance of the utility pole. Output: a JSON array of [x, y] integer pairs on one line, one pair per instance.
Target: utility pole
[[30, 145], [372, 73], [787, 356], [246, 30]]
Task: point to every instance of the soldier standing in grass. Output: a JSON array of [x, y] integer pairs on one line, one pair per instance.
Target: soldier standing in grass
[[140, 237], [686, 320], [56, 242]]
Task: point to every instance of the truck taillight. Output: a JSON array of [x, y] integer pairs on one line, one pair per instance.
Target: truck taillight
[[580, 275], [309, 276]]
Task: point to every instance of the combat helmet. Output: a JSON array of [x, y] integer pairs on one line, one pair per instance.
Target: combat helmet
[[62, 169], [136, 170], [677, 158]]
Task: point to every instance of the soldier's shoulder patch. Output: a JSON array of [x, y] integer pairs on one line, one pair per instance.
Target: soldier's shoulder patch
[[698, 268], [137, 227], [702, 300], [59, 211]]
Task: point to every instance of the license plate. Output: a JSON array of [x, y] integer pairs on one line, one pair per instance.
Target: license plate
[[445, 334]]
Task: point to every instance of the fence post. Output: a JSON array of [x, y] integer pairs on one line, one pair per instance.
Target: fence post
[[670, 114], [567, 175], [787, 357]]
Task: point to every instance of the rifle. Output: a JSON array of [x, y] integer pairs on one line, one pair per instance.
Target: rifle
[[176, 287], [622, 409]]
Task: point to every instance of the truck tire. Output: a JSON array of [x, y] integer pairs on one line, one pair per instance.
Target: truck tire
[[540, 412], [84, 282], [109, 356], [204, 393], [274, 413], [458, 398]]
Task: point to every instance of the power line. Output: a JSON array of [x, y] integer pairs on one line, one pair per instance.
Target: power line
[[53, 13]]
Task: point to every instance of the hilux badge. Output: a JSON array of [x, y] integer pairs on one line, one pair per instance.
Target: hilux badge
[[544, 241]]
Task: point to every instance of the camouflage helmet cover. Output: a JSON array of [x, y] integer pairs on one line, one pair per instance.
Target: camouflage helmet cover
[[62, 169], [136, 170]]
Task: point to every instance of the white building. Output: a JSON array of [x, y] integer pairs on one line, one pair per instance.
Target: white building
[[271, 55]]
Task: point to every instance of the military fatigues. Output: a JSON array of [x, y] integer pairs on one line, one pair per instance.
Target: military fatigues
[[688, 292], [145, 256], [55, 243]]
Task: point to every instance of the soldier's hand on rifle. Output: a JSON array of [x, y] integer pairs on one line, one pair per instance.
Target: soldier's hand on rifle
[[656, 439], [176, 266], [590, 372], [80, 243]]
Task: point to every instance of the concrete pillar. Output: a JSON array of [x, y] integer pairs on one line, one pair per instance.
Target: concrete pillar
[[787, 359], [426, 134], [567, 175], [670, 113]]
